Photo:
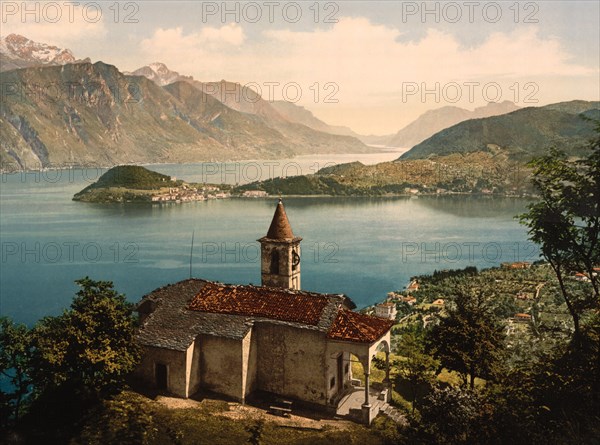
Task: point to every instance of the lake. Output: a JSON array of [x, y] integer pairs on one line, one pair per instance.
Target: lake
[[363, 247]]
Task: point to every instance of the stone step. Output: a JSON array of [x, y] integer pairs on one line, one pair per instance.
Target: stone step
[[393, 413], [379, 405]]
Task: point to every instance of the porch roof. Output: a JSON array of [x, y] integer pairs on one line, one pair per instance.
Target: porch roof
[[356, 327]]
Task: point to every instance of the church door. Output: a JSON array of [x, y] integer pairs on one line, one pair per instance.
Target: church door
[[161, 376], [340, 372]]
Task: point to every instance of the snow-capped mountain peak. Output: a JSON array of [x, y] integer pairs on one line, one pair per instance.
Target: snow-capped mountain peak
[[17, 51], [160, 74]]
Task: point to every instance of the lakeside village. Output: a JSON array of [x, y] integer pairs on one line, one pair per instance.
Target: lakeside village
[[190, 193], [528, 291], [195, 192], [129, 183]]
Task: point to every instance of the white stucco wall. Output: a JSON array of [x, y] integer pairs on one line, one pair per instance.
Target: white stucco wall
[[291, 362], [221, 365], [249, 361], [176, 369]]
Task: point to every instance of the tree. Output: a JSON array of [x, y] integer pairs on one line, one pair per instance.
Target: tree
[[90, 347], [469, 339], [565, 222], [455, 416], [15, 350], [418, 367], [126, 419], [551, 400]]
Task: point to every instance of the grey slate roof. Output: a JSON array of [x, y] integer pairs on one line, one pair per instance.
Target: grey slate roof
[[173, 326]]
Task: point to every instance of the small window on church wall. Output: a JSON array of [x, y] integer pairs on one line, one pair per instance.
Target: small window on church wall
[[274, 262], [332, 383], [346, 368]]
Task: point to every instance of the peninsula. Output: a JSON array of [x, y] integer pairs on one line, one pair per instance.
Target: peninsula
[[131, 183]]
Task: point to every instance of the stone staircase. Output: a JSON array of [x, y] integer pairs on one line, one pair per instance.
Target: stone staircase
[[392, 413], [351, 406]]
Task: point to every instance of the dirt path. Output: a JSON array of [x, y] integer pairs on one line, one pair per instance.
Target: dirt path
[[237, 411]]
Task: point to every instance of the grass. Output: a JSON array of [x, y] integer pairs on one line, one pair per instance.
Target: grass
[[401, 394], [133, 419]]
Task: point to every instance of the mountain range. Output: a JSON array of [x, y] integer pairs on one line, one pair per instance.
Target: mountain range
[[522, 134], [158, 73], [486, 155], [84, 114], [58, 110], [432, 121], [246, 100], [19, 52]]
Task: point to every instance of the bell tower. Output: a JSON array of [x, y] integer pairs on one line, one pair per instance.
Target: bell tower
[[280, 253]]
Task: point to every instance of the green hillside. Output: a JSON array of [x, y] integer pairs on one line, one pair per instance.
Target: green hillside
[[126, 183], [476, 172], [524, 133], [133, 176]]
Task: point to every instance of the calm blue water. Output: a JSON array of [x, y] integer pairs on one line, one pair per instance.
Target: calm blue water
[[363, 247]]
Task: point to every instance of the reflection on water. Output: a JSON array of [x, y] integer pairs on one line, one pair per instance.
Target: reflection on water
[[478, 206]]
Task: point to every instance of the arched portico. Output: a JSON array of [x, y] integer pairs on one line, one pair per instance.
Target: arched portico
[[383, 344], [364, 352]]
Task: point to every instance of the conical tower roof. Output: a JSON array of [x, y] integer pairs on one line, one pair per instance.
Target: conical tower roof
[[280, 228]]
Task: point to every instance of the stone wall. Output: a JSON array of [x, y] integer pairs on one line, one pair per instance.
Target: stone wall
[[250, 361], [221, 365], [287, 275], [176, 369], [194, 366], [291, 362], [332, 373], [298, 363]]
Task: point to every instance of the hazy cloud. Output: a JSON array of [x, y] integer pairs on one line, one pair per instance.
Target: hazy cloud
[[356, 52], [60, 23]]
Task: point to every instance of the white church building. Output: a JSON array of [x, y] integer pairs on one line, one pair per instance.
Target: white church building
[[234, 340]]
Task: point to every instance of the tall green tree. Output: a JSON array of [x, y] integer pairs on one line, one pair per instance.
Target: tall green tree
[[90, 347], [565, 221], [418, 367], [469, 338], [15, 352]]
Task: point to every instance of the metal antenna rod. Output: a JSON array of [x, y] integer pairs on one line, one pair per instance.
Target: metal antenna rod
[[191, 251]]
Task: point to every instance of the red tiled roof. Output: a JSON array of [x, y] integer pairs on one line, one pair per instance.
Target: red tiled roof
[[353, 326], [280, 228], [278, 304]]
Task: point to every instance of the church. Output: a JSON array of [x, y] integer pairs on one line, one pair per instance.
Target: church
[[234, 340]]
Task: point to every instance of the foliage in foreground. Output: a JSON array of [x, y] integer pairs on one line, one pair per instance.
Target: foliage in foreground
[[565, 221], [67, 364], [90, 347]]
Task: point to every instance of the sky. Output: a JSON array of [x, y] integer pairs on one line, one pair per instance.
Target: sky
[[373, 66]]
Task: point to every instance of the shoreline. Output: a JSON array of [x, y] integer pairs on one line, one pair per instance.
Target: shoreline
[[384, 150], [390, 196]]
